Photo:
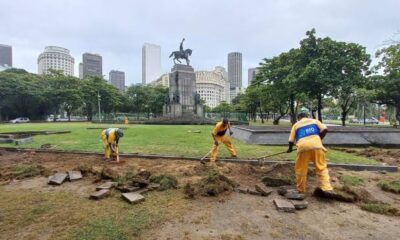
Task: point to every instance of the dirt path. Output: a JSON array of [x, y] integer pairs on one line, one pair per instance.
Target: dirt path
[[252, 217]]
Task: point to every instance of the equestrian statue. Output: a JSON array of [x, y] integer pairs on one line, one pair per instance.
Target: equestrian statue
[[181, 54]]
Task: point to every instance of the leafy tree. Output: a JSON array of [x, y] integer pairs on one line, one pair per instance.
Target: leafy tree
[[62, 93], [388, 87]]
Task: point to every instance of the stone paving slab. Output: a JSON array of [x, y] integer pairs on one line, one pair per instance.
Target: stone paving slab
[[294, 195], [74, 175], [299, 205], [58, 178], [126, 189], [241, 189], [253, 191], [107, 185], [100, 194], [260, 187], [283, 205], [133, 197]]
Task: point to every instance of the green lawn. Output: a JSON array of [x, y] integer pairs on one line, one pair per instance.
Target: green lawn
[[176, 140]]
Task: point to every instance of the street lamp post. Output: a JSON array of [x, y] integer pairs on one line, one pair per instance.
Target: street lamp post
[[98, 101]]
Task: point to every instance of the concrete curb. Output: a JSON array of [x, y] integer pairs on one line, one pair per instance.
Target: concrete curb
[[353, 167]]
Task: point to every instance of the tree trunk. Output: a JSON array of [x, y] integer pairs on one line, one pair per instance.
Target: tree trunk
[[261, 116], [344, 114], [398, 112], [313, 114], [292, 111], [319, 109]]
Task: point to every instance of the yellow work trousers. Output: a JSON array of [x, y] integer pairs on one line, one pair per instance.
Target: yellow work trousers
[[106, 145], [317, 156], [225, 140]]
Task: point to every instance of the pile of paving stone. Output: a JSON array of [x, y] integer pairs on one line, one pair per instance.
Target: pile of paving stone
[[131, 192], [60, 177], [290, 201]]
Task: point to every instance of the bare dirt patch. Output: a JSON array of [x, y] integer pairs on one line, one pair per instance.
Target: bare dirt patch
[[32, 209], [389, 156]]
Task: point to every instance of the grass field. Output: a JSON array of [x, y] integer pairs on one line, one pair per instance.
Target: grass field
[[176, 140]]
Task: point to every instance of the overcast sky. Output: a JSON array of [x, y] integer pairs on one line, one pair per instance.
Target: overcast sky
[[117, 29]]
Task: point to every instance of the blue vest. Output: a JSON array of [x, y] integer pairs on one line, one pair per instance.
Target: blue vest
[[308, 130]]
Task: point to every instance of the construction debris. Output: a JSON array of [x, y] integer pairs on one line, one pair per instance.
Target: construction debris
[[283, 205], [74, 175], [133, 197], [100, 194], [58, 178]]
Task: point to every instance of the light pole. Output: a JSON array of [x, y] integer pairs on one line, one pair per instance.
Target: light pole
[[98, 101]]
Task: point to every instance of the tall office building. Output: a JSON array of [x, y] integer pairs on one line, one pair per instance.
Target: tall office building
[[252, 72], [92, 65], [5, 56], [151, 63], [56, 58], [117, 79], [235, 73]]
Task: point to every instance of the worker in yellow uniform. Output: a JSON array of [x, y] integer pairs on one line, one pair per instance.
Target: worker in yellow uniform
[[219, 135], [308, 134], [126, 120], [110, 138]]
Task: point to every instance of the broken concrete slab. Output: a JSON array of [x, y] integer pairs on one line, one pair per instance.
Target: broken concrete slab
[[106, 185], [133, 197], [126, 189], [299, 205], [294, 195], [260, 187], [58, 178], [283, 205], [241, 189], [100, 194], [74, 175]]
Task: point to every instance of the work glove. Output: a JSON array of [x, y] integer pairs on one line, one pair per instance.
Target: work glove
[[216, 143], [289, 150]]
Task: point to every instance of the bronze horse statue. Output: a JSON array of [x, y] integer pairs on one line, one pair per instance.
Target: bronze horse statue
[[182, 55]]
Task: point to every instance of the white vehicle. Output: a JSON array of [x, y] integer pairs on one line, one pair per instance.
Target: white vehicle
[[20, 120]]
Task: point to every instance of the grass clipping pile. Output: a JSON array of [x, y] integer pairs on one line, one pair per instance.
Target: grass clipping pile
[[212, 184]]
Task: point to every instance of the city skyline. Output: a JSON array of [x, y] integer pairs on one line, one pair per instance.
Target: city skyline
[[273, 28]]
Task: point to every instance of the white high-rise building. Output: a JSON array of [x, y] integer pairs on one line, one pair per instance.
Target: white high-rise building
[[151, 63], [212, 86], [56, 58]]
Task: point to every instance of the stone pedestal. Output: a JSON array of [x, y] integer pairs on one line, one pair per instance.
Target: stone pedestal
[[182, 92]]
